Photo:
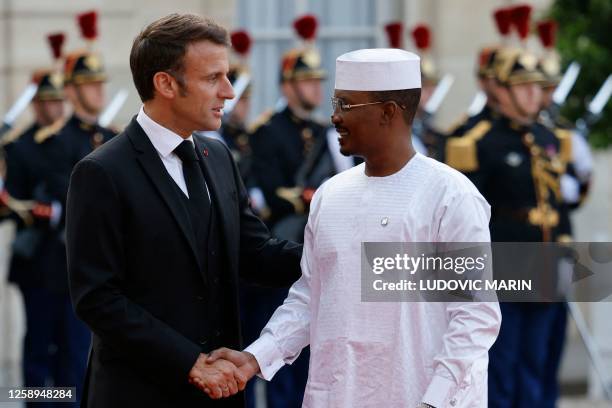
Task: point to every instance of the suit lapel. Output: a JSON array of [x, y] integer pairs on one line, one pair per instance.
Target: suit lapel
[[151, 162]]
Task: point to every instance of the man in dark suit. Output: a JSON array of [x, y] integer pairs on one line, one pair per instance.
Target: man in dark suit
[[159, 231]]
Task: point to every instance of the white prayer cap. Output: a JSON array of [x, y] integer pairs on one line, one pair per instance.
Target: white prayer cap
[[378, 69]]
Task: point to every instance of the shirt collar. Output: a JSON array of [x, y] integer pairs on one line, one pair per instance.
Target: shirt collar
[[164, 140]]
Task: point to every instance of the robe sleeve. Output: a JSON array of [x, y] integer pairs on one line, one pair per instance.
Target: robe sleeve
[[473, 326], [288, 330]]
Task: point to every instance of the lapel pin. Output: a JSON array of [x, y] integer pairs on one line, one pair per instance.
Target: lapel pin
[[205, 152]]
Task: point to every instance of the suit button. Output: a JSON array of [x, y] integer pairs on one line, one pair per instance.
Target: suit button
[[216, 280], [203, 342], [213, 253], [217, 333], [200, 298]]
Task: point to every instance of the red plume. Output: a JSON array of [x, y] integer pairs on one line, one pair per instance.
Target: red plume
[[306, 26], [88, 24], [503, 17], [56, 41], [395, 33], [547, 31], [520, 19], [422, 37], [241, 42]]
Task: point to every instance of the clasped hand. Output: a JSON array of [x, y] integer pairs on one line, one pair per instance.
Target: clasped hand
[[224, 372]]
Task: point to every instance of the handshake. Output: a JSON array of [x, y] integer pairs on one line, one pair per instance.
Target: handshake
[[224, 372]]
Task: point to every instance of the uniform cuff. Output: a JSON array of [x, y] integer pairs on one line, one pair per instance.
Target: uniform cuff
[[268, 356], [439, 393]]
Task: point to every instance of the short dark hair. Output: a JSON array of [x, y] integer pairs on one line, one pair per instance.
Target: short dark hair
[[162, 45], [408, 99]]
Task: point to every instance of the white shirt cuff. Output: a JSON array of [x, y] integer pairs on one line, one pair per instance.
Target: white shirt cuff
[[439, 392], [268, 356]]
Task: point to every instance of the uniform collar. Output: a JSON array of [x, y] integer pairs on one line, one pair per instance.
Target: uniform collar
[[81, 124]]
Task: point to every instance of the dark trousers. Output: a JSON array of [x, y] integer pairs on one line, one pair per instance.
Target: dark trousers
[[56, 343], [524, 361], [286, 390]]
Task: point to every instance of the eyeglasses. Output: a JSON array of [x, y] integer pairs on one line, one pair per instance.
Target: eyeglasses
[[338, 103], [345, 107]]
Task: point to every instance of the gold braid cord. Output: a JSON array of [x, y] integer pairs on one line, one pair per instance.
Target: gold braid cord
[[546, 174]]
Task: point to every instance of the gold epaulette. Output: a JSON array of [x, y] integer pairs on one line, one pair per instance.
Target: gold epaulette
[[11, 136], [461, 152], [565, 144], [46, 132], [261, 120]]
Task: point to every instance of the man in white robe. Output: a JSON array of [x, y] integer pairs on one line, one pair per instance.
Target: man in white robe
[[380, 354]]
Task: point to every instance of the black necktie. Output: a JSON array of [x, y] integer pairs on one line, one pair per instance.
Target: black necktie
[[196, 186]]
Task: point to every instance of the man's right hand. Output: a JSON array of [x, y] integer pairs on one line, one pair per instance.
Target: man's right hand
[[219, 379]]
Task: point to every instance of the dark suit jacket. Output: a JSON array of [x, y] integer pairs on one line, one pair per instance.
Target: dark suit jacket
[[134, 274]]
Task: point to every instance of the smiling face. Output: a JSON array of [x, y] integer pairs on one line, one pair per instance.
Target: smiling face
[[203, 87], [359, 127]]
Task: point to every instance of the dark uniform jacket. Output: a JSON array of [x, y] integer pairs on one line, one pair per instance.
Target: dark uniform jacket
[[517, 170], [153, 298], [24, 181], [280, 148], [61, 149]]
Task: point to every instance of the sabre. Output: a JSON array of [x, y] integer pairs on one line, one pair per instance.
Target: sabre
[[566, 84], [18, 107], [559, 96], [478, 104], [595, 108], [439, 94], [420, 125], [602, 97], [240, 86], [113, 108]]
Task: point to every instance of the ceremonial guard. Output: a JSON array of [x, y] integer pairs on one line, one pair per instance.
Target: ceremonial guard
[[484, 104], [62, 145], [517, 164], [47, 347], [574, 186], [425, 138], [66, 143], [289, 161]]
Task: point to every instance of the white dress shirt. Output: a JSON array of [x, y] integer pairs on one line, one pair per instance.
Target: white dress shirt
[[383, 354], [165, 141]]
